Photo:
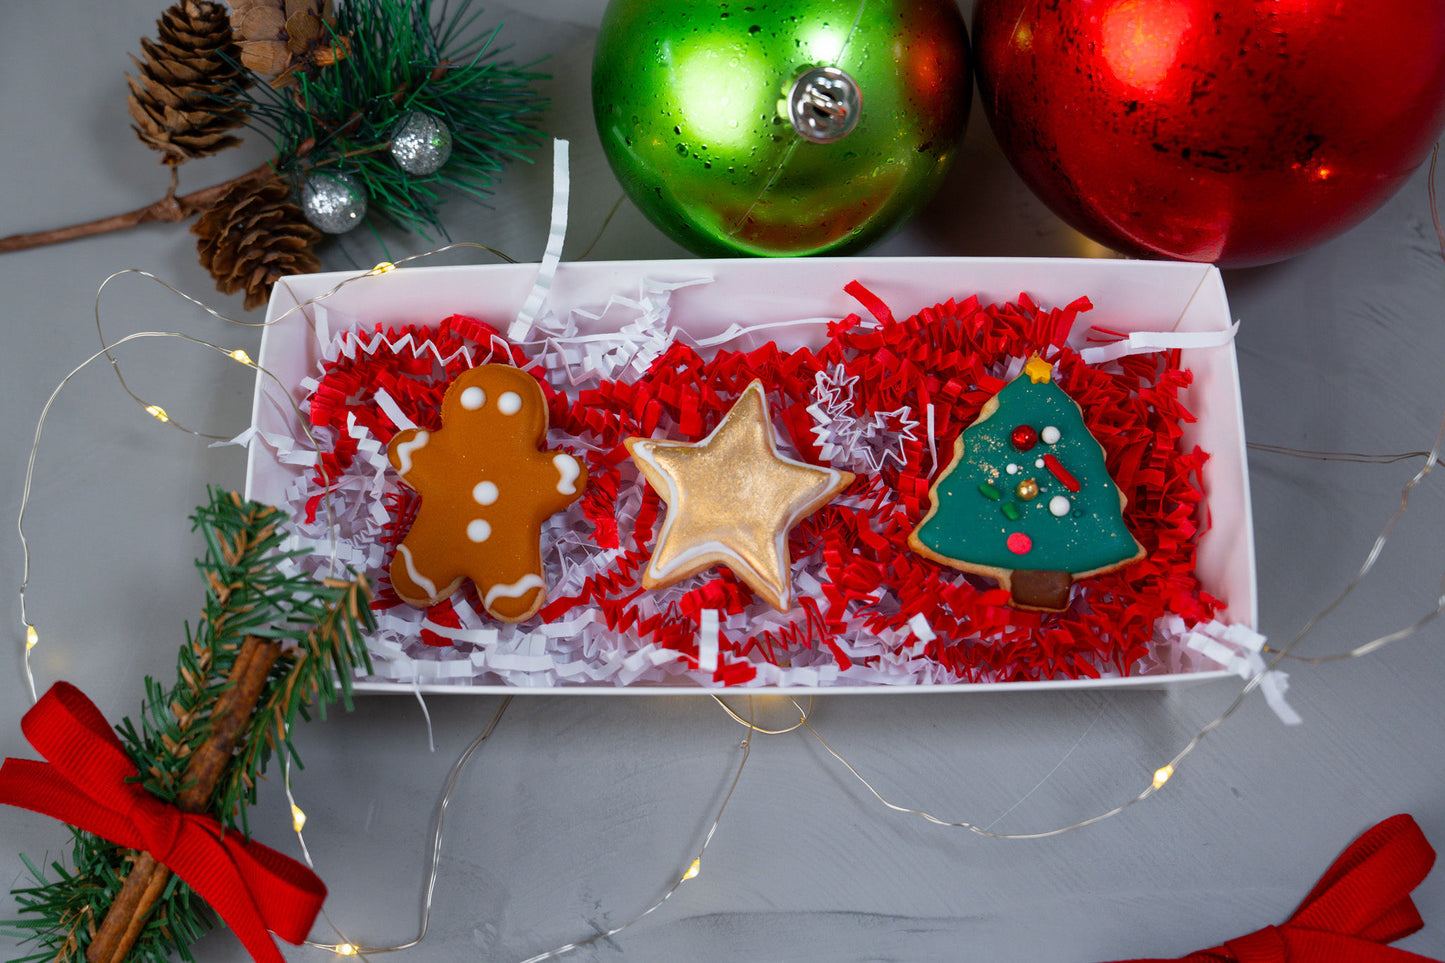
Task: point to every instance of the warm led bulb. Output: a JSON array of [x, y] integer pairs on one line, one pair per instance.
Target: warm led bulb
[[693, 870], [241, 356], [345, 949], [385, 267], [298, 818], [31, 637], [157, 412], [1162, 776]]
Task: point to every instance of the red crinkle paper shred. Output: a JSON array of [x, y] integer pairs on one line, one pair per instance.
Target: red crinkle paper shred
[[952, 356]]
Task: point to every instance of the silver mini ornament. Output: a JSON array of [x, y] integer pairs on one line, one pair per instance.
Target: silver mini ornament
[[333, 201], [421, 143]]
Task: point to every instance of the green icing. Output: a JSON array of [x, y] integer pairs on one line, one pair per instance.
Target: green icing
[[967, 527]]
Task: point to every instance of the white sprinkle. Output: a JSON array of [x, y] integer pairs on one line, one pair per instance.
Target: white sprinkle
[[1050, 435], [1059, 505]]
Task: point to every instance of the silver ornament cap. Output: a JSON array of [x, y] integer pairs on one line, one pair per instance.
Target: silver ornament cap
[[421, 144], [333, 201], [824, 105]]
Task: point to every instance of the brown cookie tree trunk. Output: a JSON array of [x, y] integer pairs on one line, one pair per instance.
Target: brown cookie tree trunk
[[1041, 589]]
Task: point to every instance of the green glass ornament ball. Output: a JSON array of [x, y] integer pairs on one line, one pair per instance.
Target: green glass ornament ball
[[785, 128]]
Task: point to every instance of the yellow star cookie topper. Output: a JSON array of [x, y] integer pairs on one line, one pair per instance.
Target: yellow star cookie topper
[[1038, 370], [731, 500]]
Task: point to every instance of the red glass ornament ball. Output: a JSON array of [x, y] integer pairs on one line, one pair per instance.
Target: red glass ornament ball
[[1237, 132]]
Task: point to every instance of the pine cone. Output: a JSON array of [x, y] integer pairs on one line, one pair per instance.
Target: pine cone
[[280, 38], [183, 102], [254, 235]]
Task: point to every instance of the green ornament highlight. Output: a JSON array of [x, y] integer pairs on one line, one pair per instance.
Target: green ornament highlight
[[780, 128], [1027, 499]]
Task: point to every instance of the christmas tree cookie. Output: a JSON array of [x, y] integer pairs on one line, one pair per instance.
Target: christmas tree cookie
[[1027, 499]]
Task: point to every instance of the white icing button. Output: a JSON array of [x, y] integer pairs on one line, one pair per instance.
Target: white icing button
[[1012, 469], [1050, 435], [510, 403], [478, 530], [473, 398], [1059, 505], [1039, 463], [485, 493]]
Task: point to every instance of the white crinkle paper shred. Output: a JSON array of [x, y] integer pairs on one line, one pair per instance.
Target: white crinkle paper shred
[[353, 512], [859, 444]]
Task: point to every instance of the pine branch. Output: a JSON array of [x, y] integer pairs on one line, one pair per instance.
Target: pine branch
[[64, 910], [271, 642], [400, 62], [316, 671], [341, 116]]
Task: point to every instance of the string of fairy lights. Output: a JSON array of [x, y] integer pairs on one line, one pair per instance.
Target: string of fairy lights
[[1157, 780], [158, 412]]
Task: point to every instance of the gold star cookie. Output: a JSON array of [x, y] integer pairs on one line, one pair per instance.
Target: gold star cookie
[[731, 500]]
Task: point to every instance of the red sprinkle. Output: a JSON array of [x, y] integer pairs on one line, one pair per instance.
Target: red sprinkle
[[1019, 543], [1024, 437], [1061, 473]]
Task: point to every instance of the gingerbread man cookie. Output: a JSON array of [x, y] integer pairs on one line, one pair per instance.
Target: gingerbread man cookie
[[486, 487]]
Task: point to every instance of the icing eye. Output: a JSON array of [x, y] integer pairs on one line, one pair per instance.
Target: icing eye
[[485, 493], [478, 530], [509, 403], [473, 398]]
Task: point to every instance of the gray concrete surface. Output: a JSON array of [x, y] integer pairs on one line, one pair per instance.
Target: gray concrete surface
[[580, 811]]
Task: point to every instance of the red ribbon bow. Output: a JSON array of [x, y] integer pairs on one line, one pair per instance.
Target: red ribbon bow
[[90, 782], [1359, 905]]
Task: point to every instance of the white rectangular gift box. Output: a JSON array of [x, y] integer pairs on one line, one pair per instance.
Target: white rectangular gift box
[[1183, 302]]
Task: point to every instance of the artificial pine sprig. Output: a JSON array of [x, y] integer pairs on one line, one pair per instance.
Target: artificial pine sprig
[[347, 83], [342, 118], [303, 639], [61, 913]]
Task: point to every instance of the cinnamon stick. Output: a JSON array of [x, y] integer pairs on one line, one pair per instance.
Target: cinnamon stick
[[147, 878]]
